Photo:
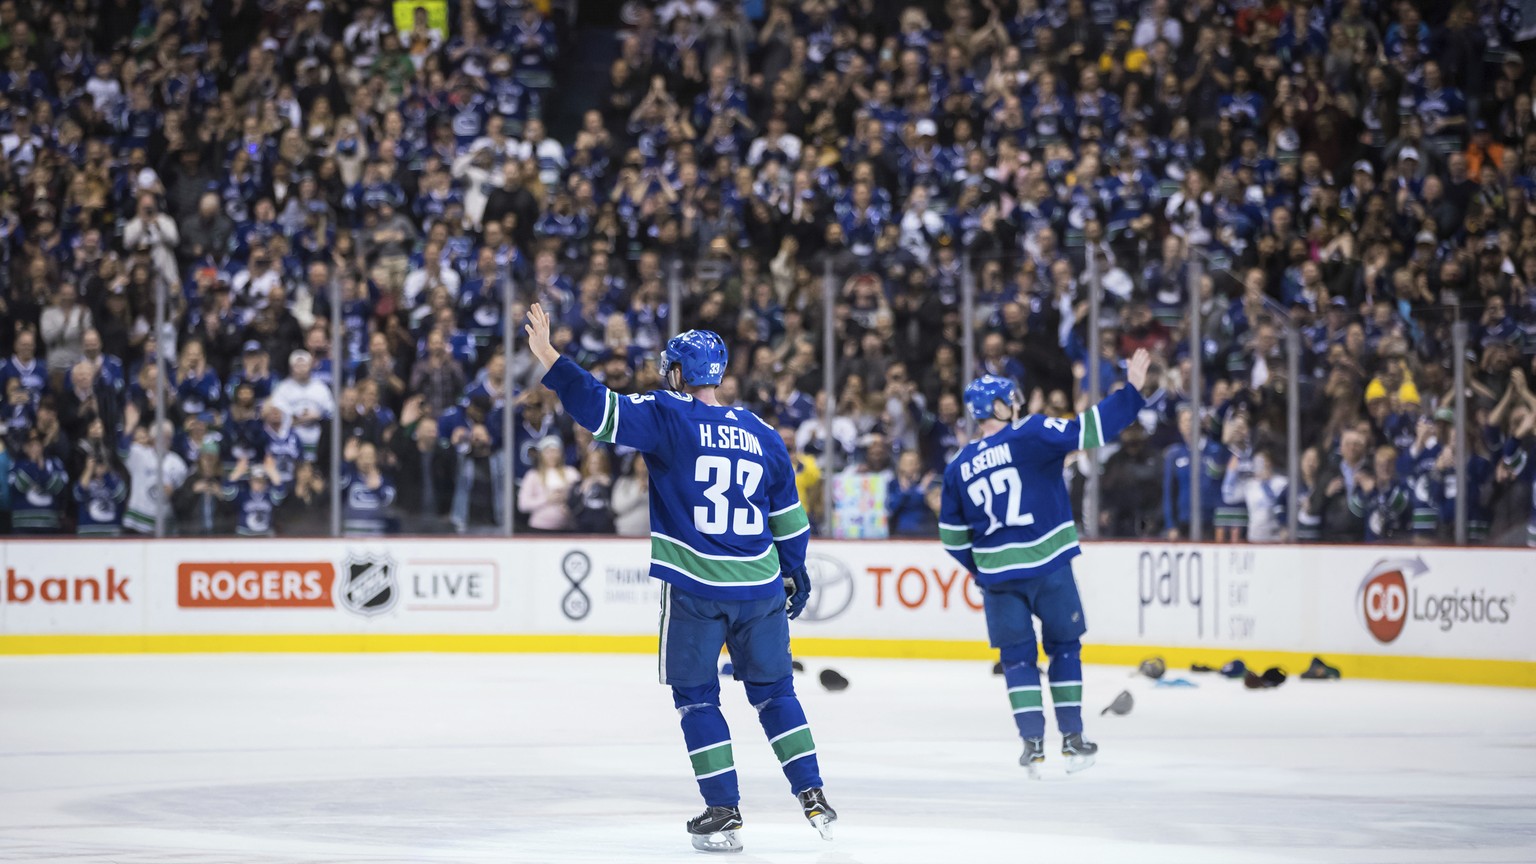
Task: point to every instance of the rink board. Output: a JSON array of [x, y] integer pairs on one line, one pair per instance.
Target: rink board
[[1408, 613]]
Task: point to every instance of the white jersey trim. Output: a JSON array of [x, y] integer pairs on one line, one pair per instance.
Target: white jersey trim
[[793, 534], [758, 557], [787, 734], [702, 581], [1028, 543], [1035, 566]]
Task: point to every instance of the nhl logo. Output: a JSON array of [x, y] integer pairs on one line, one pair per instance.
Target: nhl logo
[[367, 586]]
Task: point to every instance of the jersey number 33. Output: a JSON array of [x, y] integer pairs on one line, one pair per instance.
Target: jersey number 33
[[719, 515]]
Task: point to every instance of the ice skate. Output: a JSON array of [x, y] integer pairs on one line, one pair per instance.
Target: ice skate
[[715, 830], [818, 811], [1033, 756], [1079, 751]]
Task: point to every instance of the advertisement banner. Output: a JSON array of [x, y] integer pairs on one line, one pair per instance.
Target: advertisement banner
[[1428, 603], [1350, 600], [1190, 596], [1412, 605], [96, 587], [587, 586], [323, 586]]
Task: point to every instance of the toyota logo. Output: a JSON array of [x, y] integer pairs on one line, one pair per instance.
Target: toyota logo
[[831, 588]]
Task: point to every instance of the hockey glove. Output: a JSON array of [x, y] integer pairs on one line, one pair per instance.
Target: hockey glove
[[797, 584]]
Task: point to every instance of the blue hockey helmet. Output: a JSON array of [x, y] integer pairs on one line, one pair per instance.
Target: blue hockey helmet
[[700, 355], [981, 395]]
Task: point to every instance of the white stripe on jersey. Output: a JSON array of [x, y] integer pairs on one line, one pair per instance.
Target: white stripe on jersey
[[758, 557], [1027, 544], [702, 581]]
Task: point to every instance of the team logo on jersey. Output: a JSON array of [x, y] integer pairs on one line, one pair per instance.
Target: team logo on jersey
[[832, 584], [367, 585], [576, 566]]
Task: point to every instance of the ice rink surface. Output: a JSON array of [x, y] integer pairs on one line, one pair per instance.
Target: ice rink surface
[[530, 758]]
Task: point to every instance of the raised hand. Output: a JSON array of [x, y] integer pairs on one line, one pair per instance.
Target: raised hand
[[537, 329], [1136, 372]]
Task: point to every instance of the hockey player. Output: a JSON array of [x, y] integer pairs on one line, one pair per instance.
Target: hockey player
[[1007, 518], [728, 541]]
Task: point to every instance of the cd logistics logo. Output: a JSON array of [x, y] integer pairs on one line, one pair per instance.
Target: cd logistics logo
[[1384, 600], [1393, 593]]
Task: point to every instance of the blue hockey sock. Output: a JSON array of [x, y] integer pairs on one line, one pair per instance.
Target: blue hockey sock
[[1067, 684], [1023, 679], [709, 743], [778, 709]]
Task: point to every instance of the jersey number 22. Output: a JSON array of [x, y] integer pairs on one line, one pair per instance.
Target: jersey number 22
[[720, 515], [991, 489]]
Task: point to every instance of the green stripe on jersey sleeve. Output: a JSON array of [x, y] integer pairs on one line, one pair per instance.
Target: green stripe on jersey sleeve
[[610, 423], [955, 536], [1092, 434], [788, 522]]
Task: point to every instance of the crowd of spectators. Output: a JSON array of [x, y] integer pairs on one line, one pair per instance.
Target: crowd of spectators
[[1361, 173]]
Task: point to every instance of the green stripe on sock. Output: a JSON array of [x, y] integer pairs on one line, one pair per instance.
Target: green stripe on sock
[[1066, 692], [1027, 556], [708, 570], [716, 758], [1021, 699], [796, 743], [605, 432], [788, 522]]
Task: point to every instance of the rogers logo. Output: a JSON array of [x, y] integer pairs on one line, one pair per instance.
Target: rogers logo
[[1384, 601], [286, 584]]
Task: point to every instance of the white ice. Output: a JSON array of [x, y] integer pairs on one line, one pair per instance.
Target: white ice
[[528, 758]]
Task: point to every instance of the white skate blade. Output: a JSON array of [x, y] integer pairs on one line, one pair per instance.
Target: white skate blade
[[720, 841], [1079, 763], [1032, 767], [823, 825]]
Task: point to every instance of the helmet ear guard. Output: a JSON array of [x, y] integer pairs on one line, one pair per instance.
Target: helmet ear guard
[[672, 377]]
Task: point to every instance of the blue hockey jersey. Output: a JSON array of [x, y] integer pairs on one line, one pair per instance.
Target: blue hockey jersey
[[100, 503], [254, 509], [1006, 513], [38, 490], [726, 519]]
